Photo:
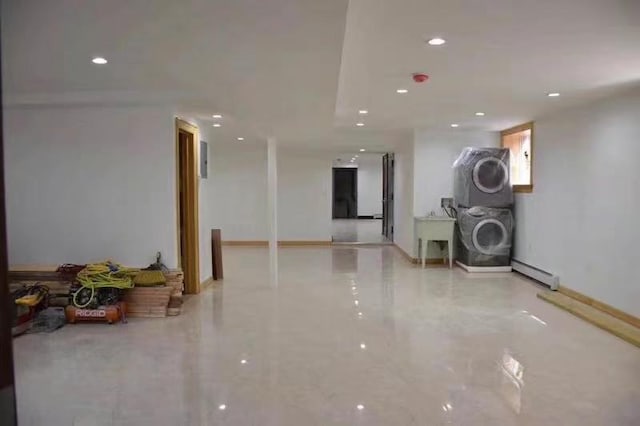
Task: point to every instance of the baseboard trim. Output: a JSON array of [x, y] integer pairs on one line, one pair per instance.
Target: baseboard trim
[[404, 254], [594, 316], [416, 261], [246, 243], [369, 217], [206, 283], [283, 243], [601, 306]]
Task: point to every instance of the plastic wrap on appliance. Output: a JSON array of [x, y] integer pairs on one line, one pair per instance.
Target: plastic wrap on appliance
[[470, 224], [466, 165]]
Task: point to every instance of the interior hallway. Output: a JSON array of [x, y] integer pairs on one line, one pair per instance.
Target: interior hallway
[[434, 346], [367, 231]]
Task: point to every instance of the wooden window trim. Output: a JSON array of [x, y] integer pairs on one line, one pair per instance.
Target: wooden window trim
[[526, 189]]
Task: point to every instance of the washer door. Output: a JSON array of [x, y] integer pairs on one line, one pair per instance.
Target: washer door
[[490, 237], [490, 175]]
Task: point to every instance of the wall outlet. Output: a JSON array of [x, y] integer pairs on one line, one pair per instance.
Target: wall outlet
[[446, 202]]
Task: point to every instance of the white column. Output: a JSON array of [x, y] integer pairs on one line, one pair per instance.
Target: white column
[[272, 206]]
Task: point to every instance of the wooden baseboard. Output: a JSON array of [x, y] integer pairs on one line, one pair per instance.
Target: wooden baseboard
[[600, 319], [206, 283], [404, 254], [601, 306], [284, 243], [416, 261]]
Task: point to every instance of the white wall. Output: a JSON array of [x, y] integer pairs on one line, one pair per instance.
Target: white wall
[[205, 206], [91, 183], [403, 197], [581, 221], [369, 184], [304, 196], [238, 193], [434, 154], [238, 185]]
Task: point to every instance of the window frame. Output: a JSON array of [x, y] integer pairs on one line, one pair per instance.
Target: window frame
[[517, 129]]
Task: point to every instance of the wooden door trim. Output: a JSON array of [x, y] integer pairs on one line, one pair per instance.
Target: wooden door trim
[[7, 377], [192, 245]]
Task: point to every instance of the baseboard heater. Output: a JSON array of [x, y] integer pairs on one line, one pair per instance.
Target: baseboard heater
[[546, 278]]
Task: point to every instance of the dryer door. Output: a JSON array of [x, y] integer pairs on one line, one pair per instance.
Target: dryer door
[[490, 175], [490, 237]]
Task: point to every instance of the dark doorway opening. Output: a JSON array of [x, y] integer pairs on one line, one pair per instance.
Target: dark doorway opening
[[388, 170], [345, 193]]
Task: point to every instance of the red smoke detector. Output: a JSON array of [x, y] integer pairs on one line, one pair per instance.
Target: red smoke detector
[[420, 78]]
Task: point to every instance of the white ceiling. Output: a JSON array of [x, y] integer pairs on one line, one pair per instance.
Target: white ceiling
[[269, 66], [501, 57], [288, 68]]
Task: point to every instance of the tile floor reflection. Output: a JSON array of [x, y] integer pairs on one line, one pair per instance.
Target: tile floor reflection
[[421, 347]]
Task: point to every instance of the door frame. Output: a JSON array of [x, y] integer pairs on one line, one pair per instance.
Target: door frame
[[333, 190], [8, 412], [191, 235]]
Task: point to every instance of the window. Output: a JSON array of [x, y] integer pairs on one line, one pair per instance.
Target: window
[[519, 140]]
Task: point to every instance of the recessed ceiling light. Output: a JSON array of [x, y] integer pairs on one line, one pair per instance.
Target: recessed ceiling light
[[553, 94], [455, 125], [222, 407], [363, 112], [98, 60], [437, 41], [243, 361], [480, 114], [217, 115], [217, 124], [363, 346], [360, 407], [359, 124], [402, 91], [356, 156], [362, 150], [241, 138]]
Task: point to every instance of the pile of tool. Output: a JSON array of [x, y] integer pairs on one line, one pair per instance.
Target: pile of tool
[[104, 291], [96, 294]]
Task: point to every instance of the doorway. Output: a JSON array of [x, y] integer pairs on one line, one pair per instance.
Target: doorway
[[357, 199], [388, 168], [187, 208], [345, 193]]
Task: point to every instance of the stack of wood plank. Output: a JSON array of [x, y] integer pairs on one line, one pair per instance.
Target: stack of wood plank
[[156, 302], [146, 302], [175, 280]]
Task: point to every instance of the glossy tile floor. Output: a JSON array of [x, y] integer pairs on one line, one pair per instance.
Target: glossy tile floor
[[358, 231], [347, 336]]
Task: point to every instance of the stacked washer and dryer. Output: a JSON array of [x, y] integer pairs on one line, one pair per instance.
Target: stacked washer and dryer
[[483, 198]]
